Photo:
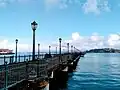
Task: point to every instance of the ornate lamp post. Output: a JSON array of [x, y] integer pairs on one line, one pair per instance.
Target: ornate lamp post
[[74, 50], [71, 48], [16, 50], [68, 47], [38, 50], [56, 50], [49, 49], [60, 48], [34, 26]]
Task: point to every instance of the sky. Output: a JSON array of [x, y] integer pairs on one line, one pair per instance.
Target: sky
[[85, 24]]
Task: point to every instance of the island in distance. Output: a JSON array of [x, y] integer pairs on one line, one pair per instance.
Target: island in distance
[[103, 50]]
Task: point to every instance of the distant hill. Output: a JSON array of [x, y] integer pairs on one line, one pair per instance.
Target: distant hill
[[104, 50]]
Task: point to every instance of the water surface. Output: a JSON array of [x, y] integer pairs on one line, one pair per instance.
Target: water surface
[[96, 71]]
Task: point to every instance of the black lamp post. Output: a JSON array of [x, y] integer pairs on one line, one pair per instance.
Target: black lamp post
[[60, 48], [56, 50], [68, 47], [16, 50], [74, 50], [71, 48], [49, 49], [34, 26], [38, 50]]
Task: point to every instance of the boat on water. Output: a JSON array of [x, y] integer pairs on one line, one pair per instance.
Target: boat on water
[[6, 52]]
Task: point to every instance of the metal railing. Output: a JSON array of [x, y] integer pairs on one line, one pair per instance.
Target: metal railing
[[25, 68], [21, 58]]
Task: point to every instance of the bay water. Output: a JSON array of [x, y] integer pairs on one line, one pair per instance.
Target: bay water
[[96, 71]]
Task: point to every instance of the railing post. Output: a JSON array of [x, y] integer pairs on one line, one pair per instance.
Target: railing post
[[11, 59], [38, 50], [29, 57], [27, 69], [4, 59], [43, 55], [24, 58], [26, 76], [38, 68], [19, 58], [6, 75]]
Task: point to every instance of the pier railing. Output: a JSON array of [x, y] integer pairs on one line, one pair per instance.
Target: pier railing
[[12, 72]]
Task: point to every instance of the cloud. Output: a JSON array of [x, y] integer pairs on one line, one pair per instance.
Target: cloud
[[75, 36], [4, 3], [22, 0], [114, 40], [51, 3], [106, 6], [96, 6], [81, 42], [5, 44], [93, 41], [88, 6], [91, 6], [22, 46]]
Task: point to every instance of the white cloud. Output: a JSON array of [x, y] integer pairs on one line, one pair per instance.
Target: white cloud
[[58, 3], [80, 42], [91, 6], [106, 6], [96, 6], [22, 0], [5, 44], [51, 3], [75, 36], [3, 3], [22, 46], [88, 6], [93, 41], [114, 37], [114, 40]]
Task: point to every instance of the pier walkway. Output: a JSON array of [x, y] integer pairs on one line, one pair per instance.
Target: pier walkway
[[35, 71]]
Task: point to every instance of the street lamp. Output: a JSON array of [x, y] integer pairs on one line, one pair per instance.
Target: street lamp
[[49, 49], [38, 50], [68, 47], [60, 48], [34, 26], [16, 50], [71, 48], [56, 50], [74, 50]]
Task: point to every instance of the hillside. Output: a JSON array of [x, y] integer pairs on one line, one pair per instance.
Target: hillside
[[104, 50]]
